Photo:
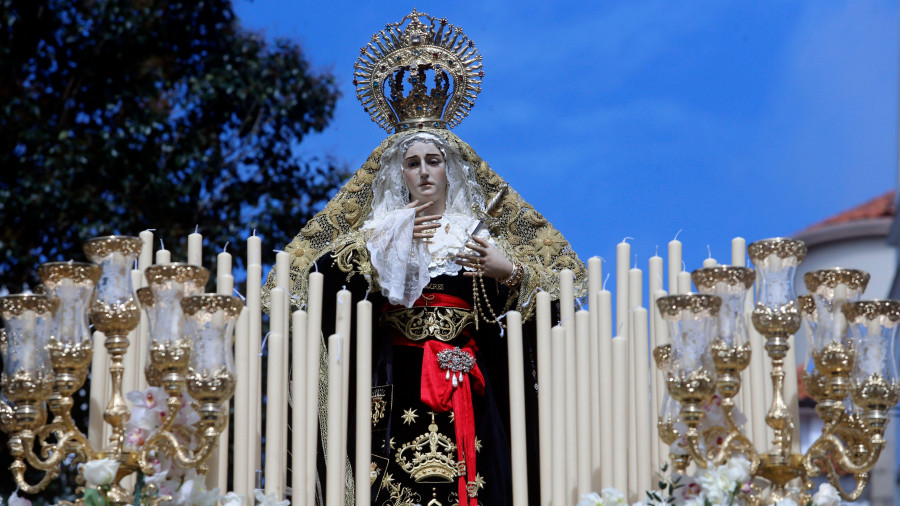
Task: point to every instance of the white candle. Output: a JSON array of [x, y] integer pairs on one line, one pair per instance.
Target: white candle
[[584, 401], [225, 284], [674, 264], [254, 414], [275, 403], [282, 279], [739, 252], [242, 403], [195, 249], [364, 399], [545, 395], [623, 257], [573, 445], [98, 392], [607, 457], [298, 402], [643, 419], [334, 454], [567, 315], [635, 288], [560, 489], [595, 284], [620, 407], [223, 264], [655, 284], [313, 353], [684, 282], [517, 407], [342, 324], [145, 259], [658, 338], [709, 262], [163, 257], [254, 250]]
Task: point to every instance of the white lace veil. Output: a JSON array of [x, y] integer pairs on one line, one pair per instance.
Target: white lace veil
[[402, 263], [390, 192]]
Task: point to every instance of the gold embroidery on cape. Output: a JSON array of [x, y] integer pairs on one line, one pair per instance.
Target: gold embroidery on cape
[[418, 323], [519, 231]]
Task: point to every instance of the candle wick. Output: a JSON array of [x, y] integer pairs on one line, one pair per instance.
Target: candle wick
[[225, 248], [502, 330], [316, 265], [262, 345], [676, 234], [530, 295], [196, 229], [369, 287], [150, 230], [161, 244], [709, 250], [683, 266], [627, 238], [635, 261], [580, 302], [236, 292], [657, 250], [605, 280], [303, 307], [254, 232]]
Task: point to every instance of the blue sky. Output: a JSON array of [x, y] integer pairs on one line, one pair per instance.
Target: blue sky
[[643, 118]]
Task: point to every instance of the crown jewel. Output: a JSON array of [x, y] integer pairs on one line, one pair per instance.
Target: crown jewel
[[405, 53]]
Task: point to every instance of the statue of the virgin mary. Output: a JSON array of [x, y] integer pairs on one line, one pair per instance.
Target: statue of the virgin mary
[[443, 248]]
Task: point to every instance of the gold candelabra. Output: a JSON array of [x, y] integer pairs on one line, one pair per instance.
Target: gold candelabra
[[850, 370], [47, 350]]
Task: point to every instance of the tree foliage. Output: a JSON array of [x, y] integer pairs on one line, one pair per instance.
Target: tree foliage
[[122, 115]]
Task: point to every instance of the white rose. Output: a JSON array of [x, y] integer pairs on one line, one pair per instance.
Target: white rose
[[233, 499], [592, 499], [269, 500], [15, 500], [826, 496], [100, 472]]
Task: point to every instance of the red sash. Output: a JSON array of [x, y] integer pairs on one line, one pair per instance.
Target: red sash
[[439, 393]]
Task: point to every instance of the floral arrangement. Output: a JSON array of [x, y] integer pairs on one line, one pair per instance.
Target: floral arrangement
[[724, 484]]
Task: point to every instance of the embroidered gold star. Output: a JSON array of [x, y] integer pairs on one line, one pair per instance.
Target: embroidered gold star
[[409, 416], [452, 417], [387, 481], [477, 445], [391, 444], [479, 481]]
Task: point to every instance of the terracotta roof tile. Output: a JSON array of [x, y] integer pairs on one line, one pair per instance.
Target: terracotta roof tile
[[879, 207]]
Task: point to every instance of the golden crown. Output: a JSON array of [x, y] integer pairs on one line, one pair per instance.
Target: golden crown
[[415, 47], [432, 457]]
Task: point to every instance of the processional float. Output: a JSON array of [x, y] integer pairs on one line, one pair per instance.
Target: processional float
[[596, 393]]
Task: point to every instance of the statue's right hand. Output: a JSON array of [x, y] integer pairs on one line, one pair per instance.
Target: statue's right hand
[[424, 225]]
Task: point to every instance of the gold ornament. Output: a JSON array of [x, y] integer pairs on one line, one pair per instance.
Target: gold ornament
[[406, 50]]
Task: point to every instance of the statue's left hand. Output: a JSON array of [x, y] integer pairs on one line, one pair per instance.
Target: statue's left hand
[[482, 255]]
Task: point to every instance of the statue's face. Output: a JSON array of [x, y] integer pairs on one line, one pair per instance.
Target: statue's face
[[425, 175]]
